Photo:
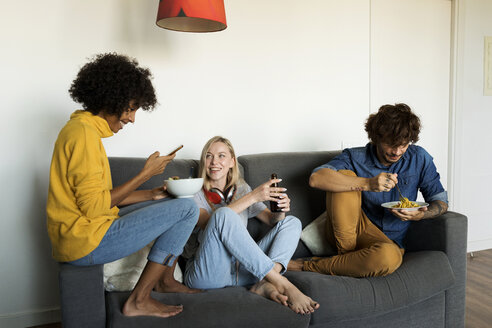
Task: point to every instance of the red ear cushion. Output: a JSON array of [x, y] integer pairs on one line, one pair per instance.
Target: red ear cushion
[[213, 197]]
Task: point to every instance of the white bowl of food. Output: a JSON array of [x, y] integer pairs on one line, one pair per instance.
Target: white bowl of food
[[183, 188]]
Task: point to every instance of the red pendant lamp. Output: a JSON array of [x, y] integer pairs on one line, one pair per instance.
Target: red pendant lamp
[[192, 15]]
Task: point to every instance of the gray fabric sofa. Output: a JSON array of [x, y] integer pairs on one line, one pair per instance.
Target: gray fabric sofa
[[428, 290]]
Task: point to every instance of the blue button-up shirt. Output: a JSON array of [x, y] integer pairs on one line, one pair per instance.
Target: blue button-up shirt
[[416, 171]]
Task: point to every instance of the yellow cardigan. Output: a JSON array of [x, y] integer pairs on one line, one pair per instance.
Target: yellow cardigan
[[79, 199]]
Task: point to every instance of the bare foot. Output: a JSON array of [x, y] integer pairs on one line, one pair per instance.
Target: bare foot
[[149, 307], [297, 301], [295, 265], [267, 290], [174, 286]]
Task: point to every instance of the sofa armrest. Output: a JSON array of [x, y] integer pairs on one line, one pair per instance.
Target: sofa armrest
[[82, 296], [446, 233]]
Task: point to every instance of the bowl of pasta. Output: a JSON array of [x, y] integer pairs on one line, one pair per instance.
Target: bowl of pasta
[[406, 204]]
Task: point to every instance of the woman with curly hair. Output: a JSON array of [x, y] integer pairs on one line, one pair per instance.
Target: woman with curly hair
[[85, 224]]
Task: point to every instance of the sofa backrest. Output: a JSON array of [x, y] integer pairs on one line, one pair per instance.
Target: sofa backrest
[[294, 168], [125, 168]]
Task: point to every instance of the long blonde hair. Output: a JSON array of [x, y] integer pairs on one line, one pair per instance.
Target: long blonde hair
[[233, 174]]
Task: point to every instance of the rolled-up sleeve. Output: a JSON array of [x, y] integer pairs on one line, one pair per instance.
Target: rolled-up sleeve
[[341, 162], [430, 186]]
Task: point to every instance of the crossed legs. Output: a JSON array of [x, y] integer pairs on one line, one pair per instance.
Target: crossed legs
[[226, 245], [363, 249]]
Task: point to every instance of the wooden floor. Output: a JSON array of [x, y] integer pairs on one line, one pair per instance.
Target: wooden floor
[[478, 291]]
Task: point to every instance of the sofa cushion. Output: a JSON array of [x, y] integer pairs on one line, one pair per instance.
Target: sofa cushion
[[227, 307], [426, 314], [421, 276], [122, 275], [313, 236]]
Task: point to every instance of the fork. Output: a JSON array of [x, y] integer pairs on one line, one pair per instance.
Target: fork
[[401, 196]]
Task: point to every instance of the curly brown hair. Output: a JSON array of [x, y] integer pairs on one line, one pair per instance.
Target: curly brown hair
[[394, 125], [109, 82]]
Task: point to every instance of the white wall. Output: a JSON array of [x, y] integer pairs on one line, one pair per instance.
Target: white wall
[[410, 44], [285, 75], [473, 137]]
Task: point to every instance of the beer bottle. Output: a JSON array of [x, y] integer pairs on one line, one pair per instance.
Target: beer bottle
[[273, 205]]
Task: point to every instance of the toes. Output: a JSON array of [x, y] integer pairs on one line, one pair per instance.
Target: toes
[[279, 298], [283, 299], [313, 306], [298, 310]]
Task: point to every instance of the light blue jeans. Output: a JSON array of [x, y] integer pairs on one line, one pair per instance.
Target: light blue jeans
[[168, 221], [228, 255]]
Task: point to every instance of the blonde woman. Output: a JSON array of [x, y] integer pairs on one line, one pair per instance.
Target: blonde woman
[[221, 251]]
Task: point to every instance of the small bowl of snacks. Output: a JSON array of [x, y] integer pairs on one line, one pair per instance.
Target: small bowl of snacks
[[183, 188]]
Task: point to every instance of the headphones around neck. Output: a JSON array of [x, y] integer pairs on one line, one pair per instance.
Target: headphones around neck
[[217, 196]]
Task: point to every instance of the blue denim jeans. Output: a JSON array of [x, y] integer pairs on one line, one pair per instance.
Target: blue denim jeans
[[228, 255], [168, 221]]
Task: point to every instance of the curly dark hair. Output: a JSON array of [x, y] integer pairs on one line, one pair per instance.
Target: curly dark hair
[[109, 82], [394, 125]]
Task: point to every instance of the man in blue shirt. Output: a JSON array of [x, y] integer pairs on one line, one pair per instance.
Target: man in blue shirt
[[370, 238]]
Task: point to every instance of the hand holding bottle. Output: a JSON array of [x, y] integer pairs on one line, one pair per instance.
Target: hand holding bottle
[[281, 202]]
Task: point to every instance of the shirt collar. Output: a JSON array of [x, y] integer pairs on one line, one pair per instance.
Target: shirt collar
[[99, 123]]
